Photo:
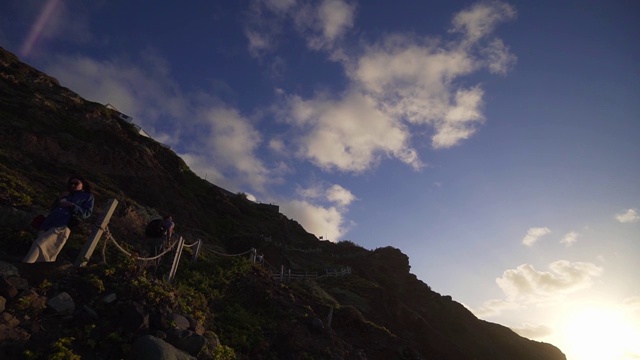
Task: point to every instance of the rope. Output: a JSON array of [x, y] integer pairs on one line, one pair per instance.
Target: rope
[[221, 254], [119, 247], [191, 245]]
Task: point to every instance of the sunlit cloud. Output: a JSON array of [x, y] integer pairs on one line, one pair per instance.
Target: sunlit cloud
[[533, 234], [327, 222], [527, 284], [632, 302], [348, 134], [570, 238], [494, 307], [629, 216], [533, 331]]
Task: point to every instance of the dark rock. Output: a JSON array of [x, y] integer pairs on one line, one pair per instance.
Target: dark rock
[[108, 299], [18, 282], [195, 326], [178, 321], [186, 340], [7, 270], [9, 329], [148, 347], [134, 317], [7, 289], [62, 304], [316, 326], [3, 302]]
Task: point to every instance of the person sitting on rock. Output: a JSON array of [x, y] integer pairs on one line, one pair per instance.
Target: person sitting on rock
[[76, 203]]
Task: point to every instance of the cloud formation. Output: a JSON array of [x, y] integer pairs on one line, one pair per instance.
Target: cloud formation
[[629, 216], [525, 283], [396, 89], [570, 238], [533, 234], [533, 331]]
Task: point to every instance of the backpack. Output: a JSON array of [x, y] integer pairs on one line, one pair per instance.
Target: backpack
[[155, 229]]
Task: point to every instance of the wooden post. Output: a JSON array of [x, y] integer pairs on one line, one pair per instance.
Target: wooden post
[[281, 273], [94, 238], [329, 318], [176, 259], [197, 252]]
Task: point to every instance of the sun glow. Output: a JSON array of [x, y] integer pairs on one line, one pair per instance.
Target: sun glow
[[597, 333]]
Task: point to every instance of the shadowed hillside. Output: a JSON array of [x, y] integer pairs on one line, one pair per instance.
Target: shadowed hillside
[[378, 311]]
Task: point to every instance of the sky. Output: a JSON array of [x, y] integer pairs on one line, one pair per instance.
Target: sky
[[494, 143]]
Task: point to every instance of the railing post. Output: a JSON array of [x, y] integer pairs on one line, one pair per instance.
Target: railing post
[[197, 252], [176, 259], [253, 255], [90, 246]]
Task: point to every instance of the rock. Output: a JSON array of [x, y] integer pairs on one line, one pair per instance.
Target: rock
[[7, 289], [195, 326], [148, 347], [316, 326], [7, 270], [3, 302], [134, 317], [18, 282], [178, 321], [62, 304], [108, 299], [9, 329], [30, 299], [186, 340]]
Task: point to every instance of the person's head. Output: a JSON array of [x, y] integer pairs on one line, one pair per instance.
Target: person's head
[[78, 183]]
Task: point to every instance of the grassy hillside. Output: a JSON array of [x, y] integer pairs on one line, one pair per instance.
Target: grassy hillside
[[378, 311]]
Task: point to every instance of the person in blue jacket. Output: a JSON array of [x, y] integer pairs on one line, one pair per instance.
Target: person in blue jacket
[[77, 202]]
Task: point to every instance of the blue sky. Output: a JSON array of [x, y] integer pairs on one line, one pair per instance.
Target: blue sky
[[495, 143]]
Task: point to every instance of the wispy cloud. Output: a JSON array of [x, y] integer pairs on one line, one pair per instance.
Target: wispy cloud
[[570, 238], [533, 234], [628, 216], [533, 331], [495, 307], [525, 283]]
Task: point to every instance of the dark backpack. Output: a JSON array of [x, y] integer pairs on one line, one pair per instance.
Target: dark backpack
[[155, 229]]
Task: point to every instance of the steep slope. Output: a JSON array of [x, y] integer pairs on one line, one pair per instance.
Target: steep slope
[[380, 311]]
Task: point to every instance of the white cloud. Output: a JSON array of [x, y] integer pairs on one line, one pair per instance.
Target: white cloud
[[533, 331], [233, 141], [321, 221], [480, 19], [527, 284], [350, 134], [335, 194], [217, 141], [533, 234], [494, 307], [570, 238], [339, 195], [335, 17], [396, 85], [629, 216]]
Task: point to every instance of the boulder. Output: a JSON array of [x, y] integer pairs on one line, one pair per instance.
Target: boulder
[[186, 340], [149, 347], [7, 270], [62, 304]]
